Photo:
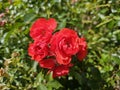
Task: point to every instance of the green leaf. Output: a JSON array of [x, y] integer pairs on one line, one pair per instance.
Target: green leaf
[[54, 84], [62, 24], [34, 68], [104, 22], [40, 77], [116, 17], [42, 87], [7, 36], [13, 30], [118, 73], [29, 17], [116, 59], [111, 24], [78, 77]]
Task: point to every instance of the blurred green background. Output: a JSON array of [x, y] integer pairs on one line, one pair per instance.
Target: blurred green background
[[97, 20]]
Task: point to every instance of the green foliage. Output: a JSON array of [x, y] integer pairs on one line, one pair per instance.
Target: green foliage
[[97, 20]]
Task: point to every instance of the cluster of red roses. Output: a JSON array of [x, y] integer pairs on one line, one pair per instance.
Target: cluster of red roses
[[53, 50]]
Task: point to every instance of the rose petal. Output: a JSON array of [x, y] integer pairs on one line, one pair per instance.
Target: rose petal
[[60, 71], [52, 24], [82, 54], [82, 49], [47, 63]]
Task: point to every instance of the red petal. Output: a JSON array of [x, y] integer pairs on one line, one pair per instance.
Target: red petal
[[39, 23], [62, 59], [82, 54], [83, 49], [47, 63], [52, 24], [60, 71]]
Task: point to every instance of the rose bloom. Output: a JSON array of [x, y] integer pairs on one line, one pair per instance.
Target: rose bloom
[[82, 49], [61, 70], [38, 50], [54, 67], [64, 44], [43, 29]]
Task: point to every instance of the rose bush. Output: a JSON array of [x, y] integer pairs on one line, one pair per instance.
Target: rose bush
[[54, 51]]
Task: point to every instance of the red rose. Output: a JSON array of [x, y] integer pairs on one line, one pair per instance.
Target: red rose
[[64, 44], [53, 66], [61, 70], [43, 29], [82, 49], [38, 50]]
